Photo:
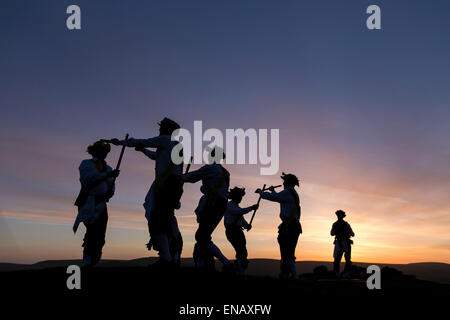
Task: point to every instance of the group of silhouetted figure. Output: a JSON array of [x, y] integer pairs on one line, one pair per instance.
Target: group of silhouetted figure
[[217, 201]]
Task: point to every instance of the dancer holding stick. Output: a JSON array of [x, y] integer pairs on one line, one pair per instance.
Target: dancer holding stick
[[97, 187], [165, 192], [290, 227]]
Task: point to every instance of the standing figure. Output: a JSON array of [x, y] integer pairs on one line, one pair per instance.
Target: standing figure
[[215, 183], [165, 192], [290, 227], [234, 225], [342, 232], [97, 187]]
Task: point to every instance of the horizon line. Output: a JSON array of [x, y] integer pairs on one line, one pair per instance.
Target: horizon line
[[183, 258]]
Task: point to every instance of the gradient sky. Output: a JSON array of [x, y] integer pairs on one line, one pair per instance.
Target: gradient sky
[[364, 117]]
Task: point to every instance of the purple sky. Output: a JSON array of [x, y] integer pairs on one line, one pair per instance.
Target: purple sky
[[364, 116]]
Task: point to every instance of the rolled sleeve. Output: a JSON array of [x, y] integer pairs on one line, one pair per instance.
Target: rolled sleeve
[[155, 142], [271, 196]]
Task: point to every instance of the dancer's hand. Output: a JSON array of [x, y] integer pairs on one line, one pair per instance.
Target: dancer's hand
[[114, 174], [115, 141]]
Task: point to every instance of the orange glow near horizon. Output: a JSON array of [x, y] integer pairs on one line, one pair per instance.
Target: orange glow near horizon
[[379, 238]]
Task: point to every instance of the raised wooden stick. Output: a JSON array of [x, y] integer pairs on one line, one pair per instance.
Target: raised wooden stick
[[120, 156], [259, 200], [189, 165], [272, 187]]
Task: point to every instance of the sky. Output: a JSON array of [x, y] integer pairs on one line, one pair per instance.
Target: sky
[[364, 117]]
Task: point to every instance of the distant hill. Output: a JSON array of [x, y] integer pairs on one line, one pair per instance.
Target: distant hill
[[430, 271]]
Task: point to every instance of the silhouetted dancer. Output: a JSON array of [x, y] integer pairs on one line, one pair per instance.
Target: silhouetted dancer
[[290, 227], [234, 224], [215, 183], [164, 194], [97, 187], [342, 243]]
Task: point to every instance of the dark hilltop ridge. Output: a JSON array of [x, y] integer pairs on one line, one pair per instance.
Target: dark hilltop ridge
[[134, 287], [430, 271]]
